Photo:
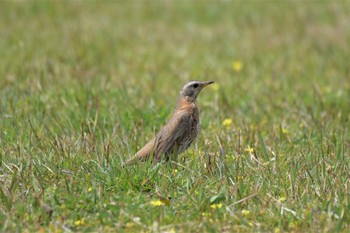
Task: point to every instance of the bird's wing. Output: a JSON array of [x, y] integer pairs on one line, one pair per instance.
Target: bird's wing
[[171, 133], [166, 138]]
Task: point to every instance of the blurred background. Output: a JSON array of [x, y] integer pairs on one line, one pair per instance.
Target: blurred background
[[84, 84], [272, 61]]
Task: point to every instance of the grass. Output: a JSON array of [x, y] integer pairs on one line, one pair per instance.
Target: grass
[[84, 85]]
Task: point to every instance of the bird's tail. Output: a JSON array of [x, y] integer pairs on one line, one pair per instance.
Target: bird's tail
[[142, 154], [131, 161]]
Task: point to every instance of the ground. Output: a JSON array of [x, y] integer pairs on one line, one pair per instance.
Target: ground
[[84, 85]]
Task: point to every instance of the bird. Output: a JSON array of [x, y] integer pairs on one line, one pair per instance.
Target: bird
[[179, 132]]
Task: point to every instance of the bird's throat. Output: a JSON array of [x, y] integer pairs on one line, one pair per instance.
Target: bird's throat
[[185, 102]]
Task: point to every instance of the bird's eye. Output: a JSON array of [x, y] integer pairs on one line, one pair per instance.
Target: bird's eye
[[195, 85]]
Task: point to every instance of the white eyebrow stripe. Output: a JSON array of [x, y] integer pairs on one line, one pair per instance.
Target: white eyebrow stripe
[[189, 84]]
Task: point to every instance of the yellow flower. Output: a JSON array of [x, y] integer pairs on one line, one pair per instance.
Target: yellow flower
[[227, 122], [89, 189], [237, 66], [215, 86], [157, 203], [216, 206], [282, 199], [284, 131], [265, 163], [130, 224], [248, 149], [79, 222], [245, 213], [231, 157]]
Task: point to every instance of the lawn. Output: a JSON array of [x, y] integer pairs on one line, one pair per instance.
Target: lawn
[[84, 85]]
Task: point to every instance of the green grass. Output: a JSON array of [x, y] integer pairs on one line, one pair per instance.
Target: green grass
[[84, 85]]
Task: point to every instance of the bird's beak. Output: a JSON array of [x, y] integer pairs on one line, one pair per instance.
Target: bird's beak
[[206, 83]]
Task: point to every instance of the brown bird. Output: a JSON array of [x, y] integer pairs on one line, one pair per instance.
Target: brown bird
[[179, 132]]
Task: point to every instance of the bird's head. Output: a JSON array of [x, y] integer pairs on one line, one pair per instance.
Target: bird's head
[[191, 89]]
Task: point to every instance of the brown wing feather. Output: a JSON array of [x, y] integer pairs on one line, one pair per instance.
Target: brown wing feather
[[171, 134]]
